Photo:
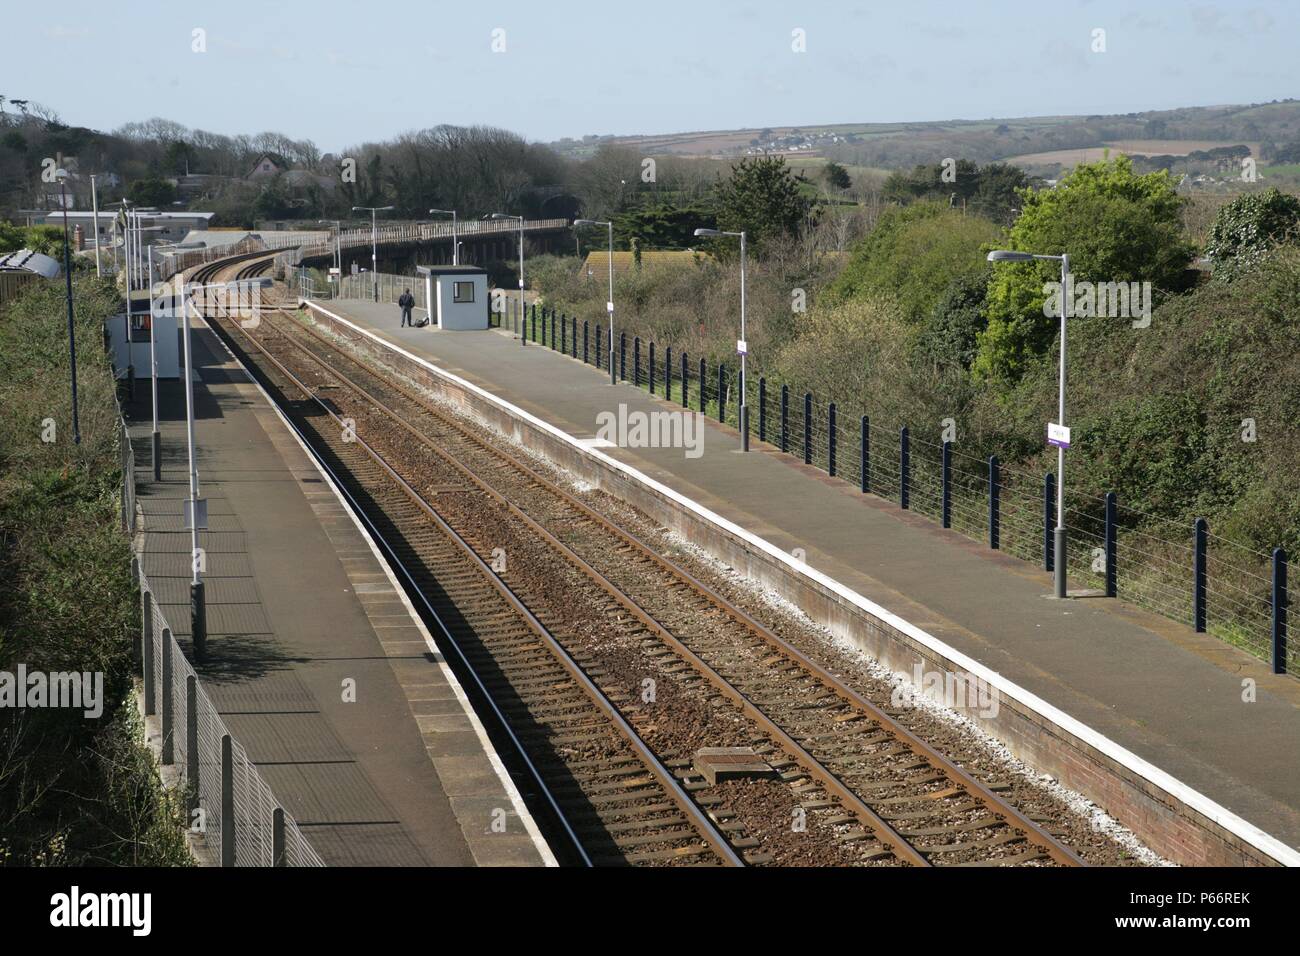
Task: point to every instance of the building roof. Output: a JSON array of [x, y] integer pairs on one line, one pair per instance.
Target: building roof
[[451, 270], [24, 260]]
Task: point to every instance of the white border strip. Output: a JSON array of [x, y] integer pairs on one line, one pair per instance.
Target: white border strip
[[516, 800], [1221, 815]]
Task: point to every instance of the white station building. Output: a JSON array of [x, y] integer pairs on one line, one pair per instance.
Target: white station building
[[458, 296]]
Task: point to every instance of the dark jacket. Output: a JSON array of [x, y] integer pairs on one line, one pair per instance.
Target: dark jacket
[[407, 301]]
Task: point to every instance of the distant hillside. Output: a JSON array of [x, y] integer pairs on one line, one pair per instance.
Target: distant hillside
[[1263, 126]]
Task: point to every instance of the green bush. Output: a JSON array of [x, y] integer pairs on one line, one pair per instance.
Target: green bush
[[1246, 229], [915, 255], [73, 790]]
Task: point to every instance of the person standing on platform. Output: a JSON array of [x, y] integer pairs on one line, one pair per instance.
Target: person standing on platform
[[407, 302]]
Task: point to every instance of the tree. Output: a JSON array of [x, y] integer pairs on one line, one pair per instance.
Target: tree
[[662, 227], [152, 192], [837, 177], [762, 198], [1116, 226], [1247, 229], [178, 157]]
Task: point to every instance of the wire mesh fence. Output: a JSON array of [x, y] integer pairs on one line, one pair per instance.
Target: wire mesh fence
[[1144, 559], [226, 796]]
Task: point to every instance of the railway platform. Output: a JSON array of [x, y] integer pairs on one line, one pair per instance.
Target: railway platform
[[315, 659], [1169, 701]]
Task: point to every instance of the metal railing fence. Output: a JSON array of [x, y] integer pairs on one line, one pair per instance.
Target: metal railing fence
[[1239, 594]]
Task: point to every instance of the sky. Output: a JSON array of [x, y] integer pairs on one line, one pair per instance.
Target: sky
[[342, 73]]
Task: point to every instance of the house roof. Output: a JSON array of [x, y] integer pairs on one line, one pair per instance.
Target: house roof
[[24, 260], [451, 270]]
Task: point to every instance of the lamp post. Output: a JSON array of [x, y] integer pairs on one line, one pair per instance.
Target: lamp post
[[196, 517], [742, 346], [455, 246], [128, 281], [338, 245], [609, 304], [1059, 536], [523, 333], [374, 242], [62, 176], [156, 435], [94, 211]]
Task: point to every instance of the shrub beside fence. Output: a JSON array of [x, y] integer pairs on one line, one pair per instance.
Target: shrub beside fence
[[1211, 584], [241, 818]]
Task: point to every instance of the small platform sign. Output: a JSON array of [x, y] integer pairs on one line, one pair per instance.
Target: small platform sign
[[742, 347], [1058, 435], [199, 507]]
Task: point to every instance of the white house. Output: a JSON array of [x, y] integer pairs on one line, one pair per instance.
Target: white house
[[459, 296]]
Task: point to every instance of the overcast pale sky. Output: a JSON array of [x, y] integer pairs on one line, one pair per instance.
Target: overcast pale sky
[[343, 72]]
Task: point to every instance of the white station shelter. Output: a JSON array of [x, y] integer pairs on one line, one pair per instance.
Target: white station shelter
[[458, 296]]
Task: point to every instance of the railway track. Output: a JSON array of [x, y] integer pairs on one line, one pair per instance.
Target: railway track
[[615, 801], [864, 789]]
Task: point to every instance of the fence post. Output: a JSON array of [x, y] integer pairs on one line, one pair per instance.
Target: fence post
[[946, 503], [995, 515], [704, 381], [636, 361], [762, 408], [192, 740], [785, 418], [668, 373], [722, 392], [1049, 504], [564, 333], [830, 439], [1200, 539], [599, 332], [1112, 570], [146, 654], [168, 756], [534, 317], [686, 377], [277, 837], [227, 801], [199, 620], [807, 428], [904, 467], [622, 356], [573, 340], [652, 368], [585, 330], [1279, 611], [865, 446]]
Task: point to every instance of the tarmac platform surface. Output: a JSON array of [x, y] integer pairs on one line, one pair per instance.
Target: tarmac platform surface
[[1169, 695], [298, 603]]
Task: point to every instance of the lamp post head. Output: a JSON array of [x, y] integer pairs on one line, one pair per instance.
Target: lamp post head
[[708, 232], [1007, 255]]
